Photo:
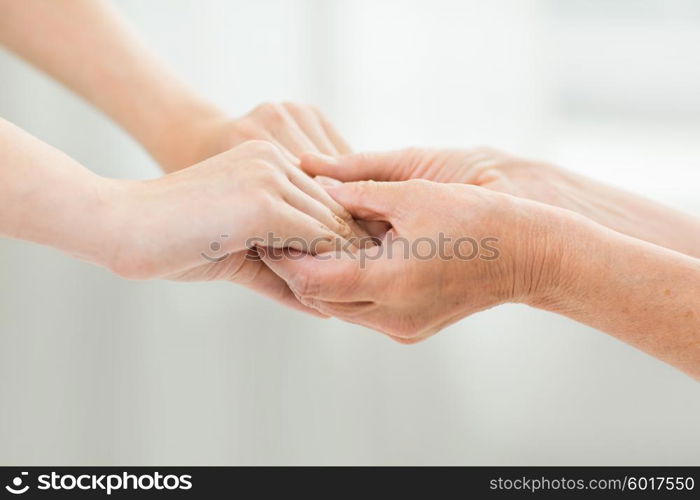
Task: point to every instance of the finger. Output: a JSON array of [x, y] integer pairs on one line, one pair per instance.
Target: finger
[[285, 130], [327, 277], [285, 152], [340, 144], [356, 167], [369, 200], [314, 208], [299, 230], [261, 134], [316, 191], [374, 229], [311, 126], [327, 181]]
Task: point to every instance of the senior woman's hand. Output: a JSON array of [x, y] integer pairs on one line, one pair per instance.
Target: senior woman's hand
[[615, 208], [544, 256], [452, 250]]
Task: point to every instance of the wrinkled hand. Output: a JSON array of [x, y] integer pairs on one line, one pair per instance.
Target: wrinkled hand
[[615, 208], [295, 128], [198, 223], [496, 248], [483, 167]]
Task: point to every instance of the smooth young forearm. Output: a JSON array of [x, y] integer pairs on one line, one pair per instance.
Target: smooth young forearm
[[645, 295], [87, 45], [165, 227], [48, 198]]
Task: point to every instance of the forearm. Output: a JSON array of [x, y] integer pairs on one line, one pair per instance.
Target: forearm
[[86, 45], [643, 294], [636, 216], [48, 198]]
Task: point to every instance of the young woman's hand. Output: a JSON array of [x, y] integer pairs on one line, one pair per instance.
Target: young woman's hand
[[295, 128], [203, 222]]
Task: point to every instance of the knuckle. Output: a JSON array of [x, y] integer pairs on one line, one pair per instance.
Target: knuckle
[[345, 215], [341, 226], [419, 184], [362, 158], [270, 112], [247, 129], [316, 110], [293, 106], [489, 164], [341, 223], [262, 108], [268, 175], [261, 148], [366, 185]]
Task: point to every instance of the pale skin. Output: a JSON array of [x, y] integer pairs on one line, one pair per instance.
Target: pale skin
[[552, 258], [161, 228], [86, 45]]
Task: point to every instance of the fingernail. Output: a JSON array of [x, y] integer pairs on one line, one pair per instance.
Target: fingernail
[[327, 181]]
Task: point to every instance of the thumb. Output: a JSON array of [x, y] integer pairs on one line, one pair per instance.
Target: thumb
[[355, 167], [369, 200]]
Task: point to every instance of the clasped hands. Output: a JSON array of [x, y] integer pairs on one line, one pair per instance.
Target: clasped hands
[[404, 242], [198, 224]]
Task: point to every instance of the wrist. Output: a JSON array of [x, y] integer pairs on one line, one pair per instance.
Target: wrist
[[186, 135], [84, 221], [119, 221], [571, 252], [548, 254]]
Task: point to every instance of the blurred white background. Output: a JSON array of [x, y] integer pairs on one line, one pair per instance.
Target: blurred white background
[[97, 370]]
